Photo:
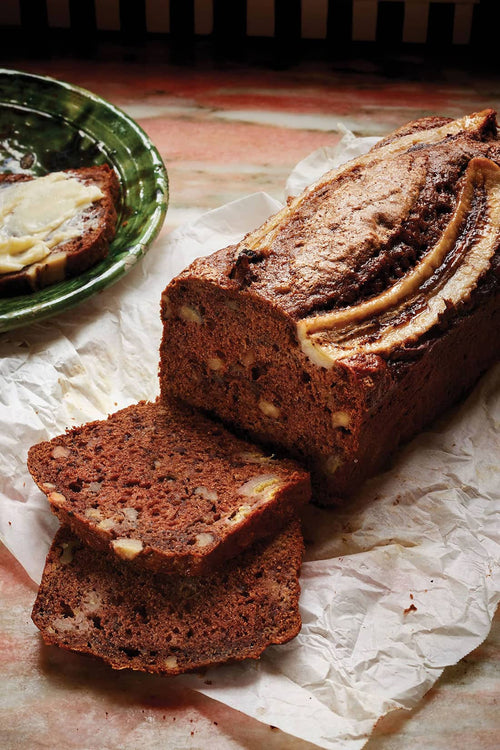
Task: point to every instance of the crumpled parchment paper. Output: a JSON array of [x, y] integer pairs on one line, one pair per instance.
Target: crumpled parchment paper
[[397, 585]]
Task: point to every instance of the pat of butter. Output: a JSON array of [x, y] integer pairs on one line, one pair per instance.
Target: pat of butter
[[37, 215]]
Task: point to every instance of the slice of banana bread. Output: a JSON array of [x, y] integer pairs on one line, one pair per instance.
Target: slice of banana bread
[[172, 624], [49, 236], [359, 312], [166, 487]]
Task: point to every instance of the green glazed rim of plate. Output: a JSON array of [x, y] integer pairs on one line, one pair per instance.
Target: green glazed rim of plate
[[111, 136]]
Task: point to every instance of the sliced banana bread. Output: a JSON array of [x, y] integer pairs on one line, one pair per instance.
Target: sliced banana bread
[[166, 487], [172, 624]]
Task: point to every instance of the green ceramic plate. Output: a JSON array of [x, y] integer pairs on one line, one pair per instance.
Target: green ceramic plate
[[47, 125]]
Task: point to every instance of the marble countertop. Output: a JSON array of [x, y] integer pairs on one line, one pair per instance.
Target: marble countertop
[[223, 133]]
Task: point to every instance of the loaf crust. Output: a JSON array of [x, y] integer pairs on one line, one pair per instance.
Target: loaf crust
[[75, 256], [358, 313], [171, 624], [165, 488]]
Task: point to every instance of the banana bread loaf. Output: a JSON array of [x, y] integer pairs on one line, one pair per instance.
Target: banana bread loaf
[[166, 488], [54, 227], [357, 313], [144, 621]]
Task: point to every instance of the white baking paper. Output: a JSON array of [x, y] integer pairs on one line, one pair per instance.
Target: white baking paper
[[396, 586]]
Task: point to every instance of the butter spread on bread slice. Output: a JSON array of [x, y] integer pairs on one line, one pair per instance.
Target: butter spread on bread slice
[[54, 227]]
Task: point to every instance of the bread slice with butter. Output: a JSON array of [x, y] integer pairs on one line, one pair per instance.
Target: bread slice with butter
[[54, 227]]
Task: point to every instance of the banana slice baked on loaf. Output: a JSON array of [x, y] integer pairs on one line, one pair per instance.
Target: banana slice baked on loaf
[[54, 227], [144, 621], [356, 314], [166, 488]]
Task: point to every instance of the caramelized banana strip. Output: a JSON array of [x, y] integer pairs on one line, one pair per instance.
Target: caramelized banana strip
[[327, 337]]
